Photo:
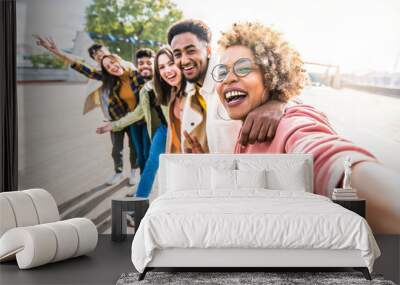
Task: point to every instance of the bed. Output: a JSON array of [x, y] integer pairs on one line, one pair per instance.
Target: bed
[[246, 211]]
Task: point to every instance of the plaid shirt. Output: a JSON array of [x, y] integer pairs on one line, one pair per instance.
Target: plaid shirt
[[117, 108]]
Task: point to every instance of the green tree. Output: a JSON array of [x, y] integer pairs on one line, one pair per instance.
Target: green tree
[[46, 61], [141, 19]]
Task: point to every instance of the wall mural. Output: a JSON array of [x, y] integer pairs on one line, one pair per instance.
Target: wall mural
[[101, 97]]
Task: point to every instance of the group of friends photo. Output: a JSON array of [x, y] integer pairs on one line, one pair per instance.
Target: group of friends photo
[[239, 97]]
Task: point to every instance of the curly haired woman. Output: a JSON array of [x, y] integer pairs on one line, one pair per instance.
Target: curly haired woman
[[257, 65]]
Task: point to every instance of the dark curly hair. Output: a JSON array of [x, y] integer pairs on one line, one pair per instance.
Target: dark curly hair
[[196, 27], [143, 52]]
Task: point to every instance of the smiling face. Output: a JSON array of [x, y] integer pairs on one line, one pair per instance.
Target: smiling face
[[99, 54], [145, 67], [169, 72], [113, 66], [191, 55], [240, 95]]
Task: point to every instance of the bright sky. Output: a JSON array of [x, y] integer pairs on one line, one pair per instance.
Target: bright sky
[[359, 35]]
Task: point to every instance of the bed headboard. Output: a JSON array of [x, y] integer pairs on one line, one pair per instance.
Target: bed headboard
[[287, 166]]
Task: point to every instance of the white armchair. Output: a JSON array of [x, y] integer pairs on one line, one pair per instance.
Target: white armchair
[[31, 230]]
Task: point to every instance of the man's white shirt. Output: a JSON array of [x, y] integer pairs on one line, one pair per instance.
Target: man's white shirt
[[222, 132]]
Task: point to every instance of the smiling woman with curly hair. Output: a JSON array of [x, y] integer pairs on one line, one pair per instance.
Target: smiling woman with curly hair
[[281, 66], [258, 65]]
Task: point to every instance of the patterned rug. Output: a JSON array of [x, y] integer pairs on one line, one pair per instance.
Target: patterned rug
[[243, 278]]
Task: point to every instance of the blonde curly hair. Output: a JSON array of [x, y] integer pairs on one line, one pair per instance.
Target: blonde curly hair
[[281, 65]]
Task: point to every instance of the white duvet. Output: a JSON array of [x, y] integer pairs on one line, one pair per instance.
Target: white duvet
[[250, 219]]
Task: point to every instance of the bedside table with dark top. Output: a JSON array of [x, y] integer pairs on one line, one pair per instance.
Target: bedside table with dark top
[[357, 206], [119, 208]]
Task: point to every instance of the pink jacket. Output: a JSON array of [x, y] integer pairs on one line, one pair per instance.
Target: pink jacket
[[303, 129]]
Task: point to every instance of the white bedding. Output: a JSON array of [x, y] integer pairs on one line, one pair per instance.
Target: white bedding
[[250, 218]]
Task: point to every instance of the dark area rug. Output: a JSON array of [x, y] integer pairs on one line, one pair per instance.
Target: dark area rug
[[243, 278]]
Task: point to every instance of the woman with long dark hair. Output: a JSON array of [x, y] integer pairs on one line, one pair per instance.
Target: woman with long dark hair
[[122, 85], [169, 86]]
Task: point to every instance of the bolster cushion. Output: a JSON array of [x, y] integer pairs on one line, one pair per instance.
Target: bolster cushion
[[40, 244], [26, 208]]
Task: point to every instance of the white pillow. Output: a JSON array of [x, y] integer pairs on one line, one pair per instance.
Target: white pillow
[[224, 179], [290, 179], [183, 177], [251, 178], [281, 174]]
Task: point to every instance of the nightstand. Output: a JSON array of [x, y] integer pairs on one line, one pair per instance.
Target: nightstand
[[357, 206], [119, 208]]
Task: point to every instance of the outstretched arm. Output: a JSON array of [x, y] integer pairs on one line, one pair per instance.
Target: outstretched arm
[[136, 115], [127, 120], [305, 130], [49, 44], [380, 187], [132, 117], [261, 123]]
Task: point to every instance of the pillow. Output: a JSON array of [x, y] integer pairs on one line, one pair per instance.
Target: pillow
[[290, 179], [223, 179], [251, 178], [183, 177], [281, 174]]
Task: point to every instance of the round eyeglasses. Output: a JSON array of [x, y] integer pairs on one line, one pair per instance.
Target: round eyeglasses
[[240, 68]]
